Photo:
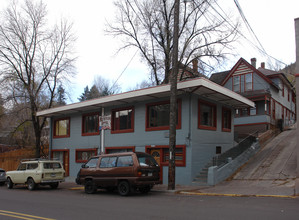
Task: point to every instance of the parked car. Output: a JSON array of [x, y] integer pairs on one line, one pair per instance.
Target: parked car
[[2, 177], [126, 172], [34, 172]]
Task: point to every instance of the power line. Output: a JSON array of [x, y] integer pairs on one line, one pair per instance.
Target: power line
[[251, 30], [259, 48], [124, 69]]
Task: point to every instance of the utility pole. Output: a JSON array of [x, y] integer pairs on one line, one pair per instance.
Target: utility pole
[[297, 101], [173, 99]]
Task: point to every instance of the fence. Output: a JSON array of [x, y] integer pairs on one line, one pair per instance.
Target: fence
[[10, 160]]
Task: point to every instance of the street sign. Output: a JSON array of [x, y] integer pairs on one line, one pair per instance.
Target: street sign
[[105, 122]]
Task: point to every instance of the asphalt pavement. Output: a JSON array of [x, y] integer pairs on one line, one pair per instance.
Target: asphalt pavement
[[270, 173]]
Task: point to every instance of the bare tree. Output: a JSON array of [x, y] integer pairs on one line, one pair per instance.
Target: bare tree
[[105, 86], [34, 58], [148, 26]]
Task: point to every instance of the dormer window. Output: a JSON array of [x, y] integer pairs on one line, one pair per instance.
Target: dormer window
[[248, 82]]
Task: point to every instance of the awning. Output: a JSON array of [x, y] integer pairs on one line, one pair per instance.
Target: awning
[[200, 86]]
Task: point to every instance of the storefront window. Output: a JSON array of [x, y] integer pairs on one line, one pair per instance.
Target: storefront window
[[206, 115], [157, 115], [122, 120], [62, 128], [90, 124], [83, 155]]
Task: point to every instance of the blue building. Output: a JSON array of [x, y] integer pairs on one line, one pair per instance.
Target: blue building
[[271, 91], [139, 121]]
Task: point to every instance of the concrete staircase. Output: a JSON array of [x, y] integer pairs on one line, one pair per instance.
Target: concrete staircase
[[202, 178]]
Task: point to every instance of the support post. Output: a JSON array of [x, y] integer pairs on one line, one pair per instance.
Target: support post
[[102, 135]]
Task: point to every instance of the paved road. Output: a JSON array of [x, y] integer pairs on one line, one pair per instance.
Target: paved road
[[68, 204]]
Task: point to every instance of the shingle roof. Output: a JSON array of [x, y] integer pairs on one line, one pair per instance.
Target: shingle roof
[[267, 72], [219, 77]]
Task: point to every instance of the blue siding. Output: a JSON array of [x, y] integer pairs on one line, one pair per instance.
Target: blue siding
[[200, 144]]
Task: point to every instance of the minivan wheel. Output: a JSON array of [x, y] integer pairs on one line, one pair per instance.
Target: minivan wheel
[[90, 187], [9, 183], [123, 188], [31, 184]]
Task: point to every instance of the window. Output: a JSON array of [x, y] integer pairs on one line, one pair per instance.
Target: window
[[122, 120], [90, 124], [244, 112], [253, 111], [146, 161], [179, 156], [32, 166], [124, 161], [52, 166], [226, 120], [92, 163], [248, 82], [111, 150], [161, 154], [206, 115], [237, 113], [157, 116], [61, 128], [22, 166], [236, 84], [82, 155], [273, 109], [218, 149], [107, 162]]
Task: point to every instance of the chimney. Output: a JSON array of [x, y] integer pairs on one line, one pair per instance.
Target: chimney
[[253, 62], [195, 65], [263, 65]]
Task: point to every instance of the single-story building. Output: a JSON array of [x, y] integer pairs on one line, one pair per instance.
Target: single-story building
[[139, 121]]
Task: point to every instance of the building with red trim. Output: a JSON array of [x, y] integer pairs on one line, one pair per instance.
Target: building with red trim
[[271, 91], [139, 121]]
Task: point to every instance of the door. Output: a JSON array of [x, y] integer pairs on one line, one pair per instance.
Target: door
[[156, 153], [63, 156]]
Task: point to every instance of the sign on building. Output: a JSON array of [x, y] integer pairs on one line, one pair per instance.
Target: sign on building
[[105, 122]]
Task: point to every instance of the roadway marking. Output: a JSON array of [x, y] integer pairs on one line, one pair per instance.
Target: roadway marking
[[77, 188], [22, 216]]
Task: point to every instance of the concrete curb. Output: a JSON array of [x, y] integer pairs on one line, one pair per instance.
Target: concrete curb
[[233, 195]]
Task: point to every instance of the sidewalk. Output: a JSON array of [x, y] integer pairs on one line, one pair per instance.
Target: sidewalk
[[237, 188]]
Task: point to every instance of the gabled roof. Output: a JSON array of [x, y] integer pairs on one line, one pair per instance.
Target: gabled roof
[[243, 61], [200, 86]]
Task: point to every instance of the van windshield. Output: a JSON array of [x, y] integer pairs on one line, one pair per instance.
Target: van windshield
[[146, 160]]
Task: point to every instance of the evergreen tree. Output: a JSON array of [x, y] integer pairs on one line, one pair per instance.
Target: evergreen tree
[[61, 96], [94, 93], [84, 95]]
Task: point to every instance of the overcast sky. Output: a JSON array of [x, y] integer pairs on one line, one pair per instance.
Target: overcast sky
[[272, 22]]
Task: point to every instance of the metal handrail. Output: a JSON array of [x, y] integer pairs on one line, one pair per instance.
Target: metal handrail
[[222, 159]]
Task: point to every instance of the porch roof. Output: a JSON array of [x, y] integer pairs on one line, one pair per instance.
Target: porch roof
[[200, 86]]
